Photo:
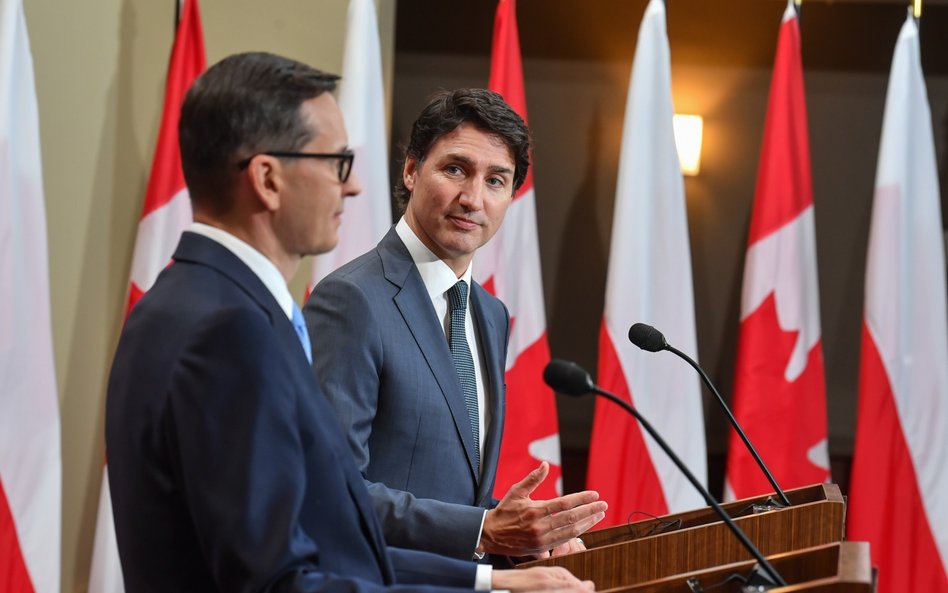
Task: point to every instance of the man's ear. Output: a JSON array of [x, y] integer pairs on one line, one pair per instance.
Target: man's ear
[[265, 174], [409, 172]]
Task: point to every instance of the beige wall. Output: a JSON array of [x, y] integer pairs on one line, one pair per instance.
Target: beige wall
[[100, 69]]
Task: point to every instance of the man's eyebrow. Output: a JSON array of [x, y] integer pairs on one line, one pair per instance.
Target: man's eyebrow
[[501, 169], [466, 160]]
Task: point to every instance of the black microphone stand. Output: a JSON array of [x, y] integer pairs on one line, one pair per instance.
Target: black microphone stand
[[732, 420], [741, 536]]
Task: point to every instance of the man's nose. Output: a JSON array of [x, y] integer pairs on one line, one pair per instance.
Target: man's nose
[[352, 187], [472, 194]]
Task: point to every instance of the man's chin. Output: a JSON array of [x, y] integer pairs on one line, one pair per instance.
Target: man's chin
[[324, 246]]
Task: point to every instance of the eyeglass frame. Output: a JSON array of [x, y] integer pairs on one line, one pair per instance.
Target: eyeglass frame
[[345, 158]]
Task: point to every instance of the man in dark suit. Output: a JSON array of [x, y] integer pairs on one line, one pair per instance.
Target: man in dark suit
[[227, 469], [411, 352]]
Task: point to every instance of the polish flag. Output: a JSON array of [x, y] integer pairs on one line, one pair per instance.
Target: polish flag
[[779, 390], [898, 495], [649, 281], [165, 214], [362, 102], [30, 462], [509, 267]]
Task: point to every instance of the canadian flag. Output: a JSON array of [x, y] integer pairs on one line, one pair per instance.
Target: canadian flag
[[898, 494], [649, 281], [362, 102], [779, 391], [509, 266], [165, 214], [30, 462]]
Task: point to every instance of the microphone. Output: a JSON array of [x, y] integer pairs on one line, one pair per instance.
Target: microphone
[[570, 378], [650, 339]]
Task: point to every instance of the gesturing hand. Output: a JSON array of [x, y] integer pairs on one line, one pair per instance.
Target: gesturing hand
[[520, 526]]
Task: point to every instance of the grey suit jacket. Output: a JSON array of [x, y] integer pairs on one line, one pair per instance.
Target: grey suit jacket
[[384, 362]]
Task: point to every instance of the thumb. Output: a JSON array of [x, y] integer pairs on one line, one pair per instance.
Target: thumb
[[525, 487]]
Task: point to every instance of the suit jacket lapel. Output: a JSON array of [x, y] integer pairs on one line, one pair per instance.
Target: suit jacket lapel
[[490, 338], [415, 307]]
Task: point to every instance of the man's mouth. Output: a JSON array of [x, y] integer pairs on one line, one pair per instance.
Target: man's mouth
[[463, 223]]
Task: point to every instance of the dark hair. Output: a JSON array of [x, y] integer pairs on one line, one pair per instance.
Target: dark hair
[[245, 104], [484, 109]]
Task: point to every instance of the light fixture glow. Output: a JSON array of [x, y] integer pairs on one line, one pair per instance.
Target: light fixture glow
[[688, 130]]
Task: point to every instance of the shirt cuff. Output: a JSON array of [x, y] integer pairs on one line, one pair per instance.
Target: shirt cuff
[[483, 577], [480, 555]]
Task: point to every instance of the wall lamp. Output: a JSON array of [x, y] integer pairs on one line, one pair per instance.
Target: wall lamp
[[688, 130]]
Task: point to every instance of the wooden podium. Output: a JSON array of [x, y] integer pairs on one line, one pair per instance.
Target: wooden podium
[[842, 567], [696, 540]]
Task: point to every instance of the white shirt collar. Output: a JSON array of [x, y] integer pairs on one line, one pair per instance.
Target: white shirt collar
[[437, 275], [253, 259]]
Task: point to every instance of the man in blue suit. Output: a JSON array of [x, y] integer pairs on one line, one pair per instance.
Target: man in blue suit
[[411, 352], [227, 469]]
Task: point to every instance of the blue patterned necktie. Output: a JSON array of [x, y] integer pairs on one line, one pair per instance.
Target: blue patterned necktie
[[299, 324], [464, 362]]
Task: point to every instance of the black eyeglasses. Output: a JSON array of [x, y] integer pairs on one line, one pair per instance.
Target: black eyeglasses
[[345, 159]]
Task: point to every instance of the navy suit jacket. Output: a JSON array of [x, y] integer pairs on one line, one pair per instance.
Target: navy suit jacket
[[227, 469], [385, 364]]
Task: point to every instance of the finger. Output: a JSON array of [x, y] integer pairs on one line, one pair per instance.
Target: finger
[[525, 487], [577, 514], [563, 574], [561, 549], [565, 503], [570, 531]]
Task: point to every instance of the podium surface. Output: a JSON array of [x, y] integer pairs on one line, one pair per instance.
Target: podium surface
[[698, 539], [841, 567]]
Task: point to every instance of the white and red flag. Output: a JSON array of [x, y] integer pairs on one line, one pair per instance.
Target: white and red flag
[[166, 212], [362, 102], [509, 266], [779, 389], [649, 281], [30, 462], [898, 494]]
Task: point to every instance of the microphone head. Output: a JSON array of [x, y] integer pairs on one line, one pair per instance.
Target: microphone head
[[567, 377], [647, 337]]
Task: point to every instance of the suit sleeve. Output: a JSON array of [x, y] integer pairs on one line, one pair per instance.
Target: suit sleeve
[[348, 359], [235, 447], [417, 567]]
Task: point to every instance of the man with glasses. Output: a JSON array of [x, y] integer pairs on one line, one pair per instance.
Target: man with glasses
[[411, 352], [227, 469]]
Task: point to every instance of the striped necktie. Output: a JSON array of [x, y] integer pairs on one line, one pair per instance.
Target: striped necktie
[[464, 362]]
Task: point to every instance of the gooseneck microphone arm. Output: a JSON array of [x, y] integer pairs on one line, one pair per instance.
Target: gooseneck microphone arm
[[733, 421], [648, 338], [571, 379], [741, 536]]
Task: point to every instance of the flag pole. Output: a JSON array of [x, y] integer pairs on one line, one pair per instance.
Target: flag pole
[[917, 9], [177, 13]]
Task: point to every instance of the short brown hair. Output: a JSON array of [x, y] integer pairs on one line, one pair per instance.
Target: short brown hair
[[486, 110], [245, 104]]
